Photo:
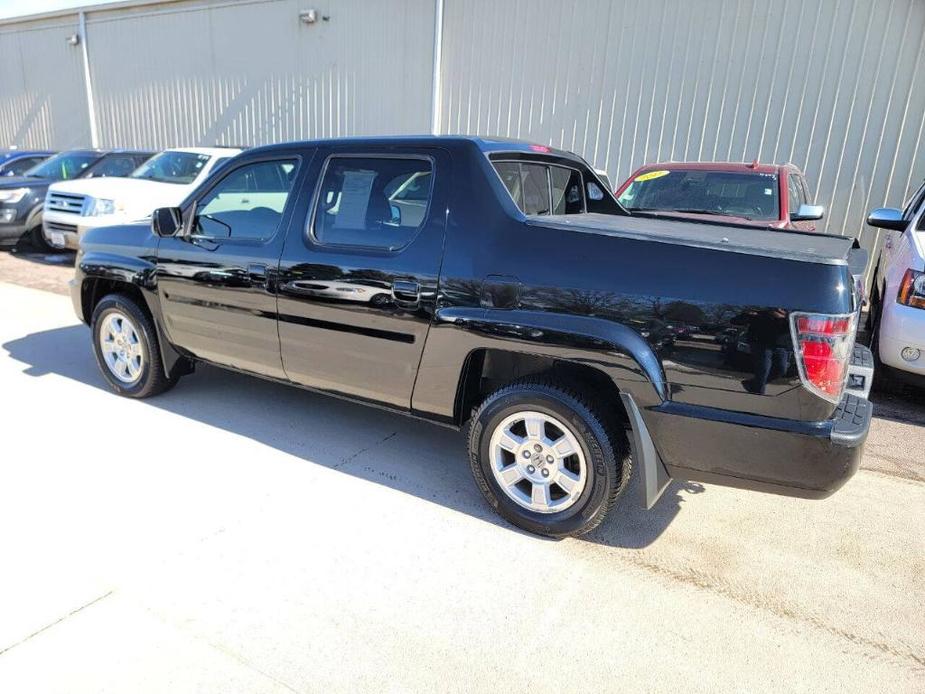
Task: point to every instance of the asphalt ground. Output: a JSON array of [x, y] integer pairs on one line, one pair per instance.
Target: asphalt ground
[[239, 535]]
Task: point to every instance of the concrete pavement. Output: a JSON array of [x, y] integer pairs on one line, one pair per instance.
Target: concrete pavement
[[238, 535]]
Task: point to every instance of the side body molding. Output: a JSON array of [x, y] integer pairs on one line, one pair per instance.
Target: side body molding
[[610, 347]]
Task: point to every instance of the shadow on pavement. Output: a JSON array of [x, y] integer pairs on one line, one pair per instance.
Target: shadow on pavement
[[411, 456], [906, 405]]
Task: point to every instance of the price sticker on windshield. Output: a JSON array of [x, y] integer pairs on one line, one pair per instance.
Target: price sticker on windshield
[[649, 175]]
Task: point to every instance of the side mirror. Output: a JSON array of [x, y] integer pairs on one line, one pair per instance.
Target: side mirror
[[166, 221], [808, 213], [887, 218]]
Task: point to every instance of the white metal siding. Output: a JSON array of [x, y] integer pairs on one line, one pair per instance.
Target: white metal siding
[[42, 86], [251, 73], [835, 86]]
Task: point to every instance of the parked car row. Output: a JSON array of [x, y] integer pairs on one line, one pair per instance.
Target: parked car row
[[57, 198], [60, 197]]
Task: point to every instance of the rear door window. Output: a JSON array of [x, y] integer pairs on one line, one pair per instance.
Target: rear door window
[[542, 189], [372, 202]]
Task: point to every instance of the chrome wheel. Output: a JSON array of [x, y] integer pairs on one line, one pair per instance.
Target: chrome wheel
[[121, 347], [538, 462]]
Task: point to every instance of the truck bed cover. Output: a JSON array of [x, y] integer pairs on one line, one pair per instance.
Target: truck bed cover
[[791, 245]]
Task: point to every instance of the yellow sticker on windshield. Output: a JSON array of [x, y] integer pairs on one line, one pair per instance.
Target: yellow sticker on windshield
[[649, 175]]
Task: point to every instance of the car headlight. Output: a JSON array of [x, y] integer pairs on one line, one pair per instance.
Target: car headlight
[[13, 196], [912, 289], [103, 206]]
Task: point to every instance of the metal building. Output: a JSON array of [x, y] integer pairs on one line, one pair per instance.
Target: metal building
[[835, 86]]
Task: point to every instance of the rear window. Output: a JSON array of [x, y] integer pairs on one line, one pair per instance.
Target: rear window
[[542, 189], [746, 195]]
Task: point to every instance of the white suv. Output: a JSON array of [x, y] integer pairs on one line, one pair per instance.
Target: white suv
[[897, 312], [74, 207]]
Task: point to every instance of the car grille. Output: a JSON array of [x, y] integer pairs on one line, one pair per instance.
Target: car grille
[[65, 202], [57, 226]]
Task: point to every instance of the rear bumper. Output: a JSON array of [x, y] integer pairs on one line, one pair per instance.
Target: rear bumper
[[794, 458]]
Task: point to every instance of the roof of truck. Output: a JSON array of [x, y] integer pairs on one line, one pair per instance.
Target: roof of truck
[[486, 144], [811, 247]]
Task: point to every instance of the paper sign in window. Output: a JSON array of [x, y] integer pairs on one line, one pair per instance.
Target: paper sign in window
[[354, 199]]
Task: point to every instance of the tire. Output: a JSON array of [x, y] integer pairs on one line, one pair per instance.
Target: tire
[[141, 378], [37, 238], [604, 462]]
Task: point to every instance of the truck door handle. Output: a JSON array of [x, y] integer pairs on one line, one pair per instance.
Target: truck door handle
[[405, 290], [257, 274]]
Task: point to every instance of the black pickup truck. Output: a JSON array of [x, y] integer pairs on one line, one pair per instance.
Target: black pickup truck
[[499, 284]]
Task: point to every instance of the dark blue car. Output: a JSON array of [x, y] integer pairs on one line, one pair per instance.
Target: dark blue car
[[15, 162]]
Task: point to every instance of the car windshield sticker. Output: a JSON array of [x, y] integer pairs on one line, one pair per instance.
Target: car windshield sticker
[[649, 175]]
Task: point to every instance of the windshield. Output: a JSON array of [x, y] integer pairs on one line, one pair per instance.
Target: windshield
[[172, 167], [750, 196], [63, 166]]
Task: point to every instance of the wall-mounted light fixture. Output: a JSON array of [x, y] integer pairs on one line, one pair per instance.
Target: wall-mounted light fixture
[[73, 40], [312, 16]]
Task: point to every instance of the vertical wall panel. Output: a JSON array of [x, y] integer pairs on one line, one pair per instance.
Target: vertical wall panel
[[251, 73], [835, 86], [42, 102]]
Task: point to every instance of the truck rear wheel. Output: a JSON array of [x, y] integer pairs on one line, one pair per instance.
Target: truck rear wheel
[[126, 348], [547, 459]]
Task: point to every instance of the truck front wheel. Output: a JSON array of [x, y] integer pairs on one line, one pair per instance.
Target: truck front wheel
[[125, 344], [546, 459]]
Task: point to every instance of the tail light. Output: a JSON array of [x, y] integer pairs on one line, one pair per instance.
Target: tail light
[[912, 289], [823, 344]]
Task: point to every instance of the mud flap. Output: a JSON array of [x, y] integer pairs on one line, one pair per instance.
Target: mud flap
[[655, 477]]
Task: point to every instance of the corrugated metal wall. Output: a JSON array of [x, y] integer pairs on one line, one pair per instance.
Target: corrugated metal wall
[[252, 73], [42, 86], [834, 86]]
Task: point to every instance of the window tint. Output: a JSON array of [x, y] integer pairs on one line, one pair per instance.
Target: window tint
[[248, 203], [113, 165], [567, 197], [794, 194], [913, 203], [377, 201], [18, 167], [748, 195], [64, 166], [173, 167], [540, 189]]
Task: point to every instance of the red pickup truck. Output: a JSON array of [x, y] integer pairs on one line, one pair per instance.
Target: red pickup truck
[[762, 195]]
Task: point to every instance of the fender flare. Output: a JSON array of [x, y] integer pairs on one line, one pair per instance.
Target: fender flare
[[139, 273], [34, 218], [456, 332]]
